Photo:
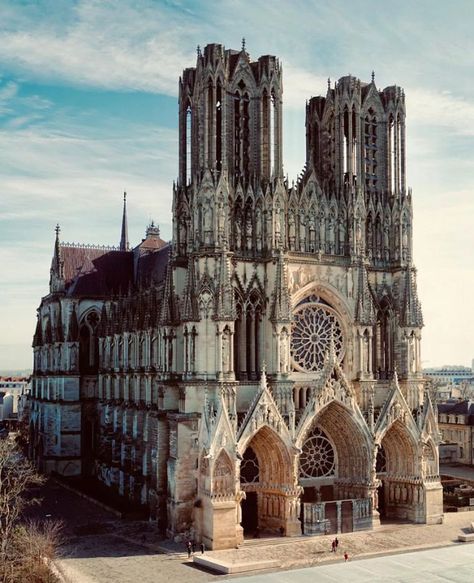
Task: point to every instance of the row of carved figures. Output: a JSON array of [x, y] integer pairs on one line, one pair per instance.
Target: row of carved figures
[[254, 231]]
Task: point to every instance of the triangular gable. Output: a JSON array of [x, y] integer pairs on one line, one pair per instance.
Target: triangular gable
[[395, 408], [333, 387], [216, 430], [263, 411]]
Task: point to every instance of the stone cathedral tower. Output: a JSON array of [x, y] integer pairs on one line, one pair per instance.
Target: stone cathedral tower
[[263, 370]]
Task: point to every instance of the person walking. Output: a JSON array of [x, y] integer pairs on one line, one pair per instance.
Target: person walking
[[190, 548], [202, 548], [337, 542], [346, 557], [333, 546]]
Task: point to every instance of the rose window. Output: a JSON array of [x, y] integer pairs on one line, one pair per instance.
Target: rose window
[[314, 323], [317, 458]]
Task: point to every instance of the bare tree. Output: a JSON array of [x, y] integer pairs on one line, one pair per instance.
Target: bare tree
[[432, 386], [466, 390], [16, 475]]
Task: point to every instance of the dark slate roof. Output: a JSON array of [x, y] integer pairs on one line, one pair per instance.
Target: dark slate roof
[[95, 271], [152, 266], [458, 408]]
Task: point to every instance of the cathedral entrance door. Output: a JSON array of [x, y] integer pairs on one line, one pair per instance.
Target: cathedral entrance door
[[250, 514]]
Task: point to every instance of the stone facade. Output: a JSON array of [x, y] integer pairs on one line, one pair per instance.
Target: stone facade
[[263, 370]]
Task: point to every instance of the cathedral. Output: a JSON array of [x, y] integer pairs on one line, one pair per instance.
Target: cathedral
[[261, 372]]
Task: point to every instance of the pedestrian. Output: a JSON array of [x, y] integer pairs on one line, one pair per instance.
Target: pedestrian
[[194, 547], [202, 548], [333, 546], [346, 556], [337, 542], [190, 548]]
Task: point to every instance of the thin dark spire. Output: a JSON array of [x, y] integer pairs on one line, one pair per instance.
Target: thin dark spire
[[124, 237]]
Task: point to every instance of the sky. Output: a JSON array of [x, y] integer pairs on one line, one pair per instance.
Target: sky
[[88, 109]]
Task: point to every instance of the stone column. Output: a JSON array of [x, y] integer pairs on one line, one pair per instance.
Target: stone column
[[252, 345]]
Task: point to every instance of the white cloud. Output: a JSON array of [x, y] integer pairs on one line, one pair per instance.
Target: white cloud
[[441, 108], [124, 46]]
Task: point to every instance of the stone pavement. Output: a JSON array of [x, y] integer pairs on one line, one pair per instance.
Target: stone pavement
[[104, 549], [119, 558], [451, 564]]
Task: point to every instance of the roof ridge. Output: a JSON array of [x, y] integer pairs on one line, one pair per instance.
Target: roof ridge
[[90, 246]]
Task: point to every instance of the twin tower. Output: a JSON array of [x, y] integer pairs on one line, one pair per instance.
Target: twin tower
[[230, 145]]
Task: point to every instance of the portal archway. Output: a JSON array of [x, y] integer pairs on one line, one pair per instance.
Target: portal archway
[[267, 478], [334, 472], [401, 494]]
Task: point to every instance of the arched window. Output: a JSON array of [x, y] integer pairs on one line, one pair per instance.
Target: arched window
[[89, 344], [210, 123], [370, 150], [188, 144], [219, 127], [383, 341]]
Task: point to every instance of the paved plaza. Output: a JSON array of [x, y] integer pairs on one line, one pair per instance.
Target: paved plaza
[[452, 564], [104, 549]]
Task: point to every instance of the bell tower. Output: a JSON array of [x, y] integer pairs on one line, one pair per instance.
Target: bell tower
[[230, 137]]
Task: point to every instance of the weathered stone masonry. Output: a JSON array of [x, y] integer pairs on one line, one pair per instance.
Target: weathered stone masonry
[[262, 370]]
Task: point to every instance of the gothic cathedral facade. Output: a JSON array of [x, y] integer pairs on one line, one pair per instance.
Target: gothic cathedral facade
[[262, 370]]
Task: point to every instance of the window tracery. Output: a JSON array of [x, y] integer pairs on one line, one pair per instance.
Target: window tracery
[[318, 458], [314, 324], [249, 468]]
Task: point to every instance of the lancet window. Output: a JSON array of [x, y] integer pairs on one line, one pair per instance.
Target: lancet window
[[383, 344], [370, 150], [241, 131], [247, 337], [188, 144], [89, 344]]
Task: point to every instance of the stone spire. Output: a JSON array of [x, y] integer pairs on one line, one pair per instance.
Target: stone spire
[[190, 307], [169, 310], [56, 280], [225, 296], [124, 246], [411, 314], [365, 312], [73, 330], [38, 337], [281, 307], [58, 328]]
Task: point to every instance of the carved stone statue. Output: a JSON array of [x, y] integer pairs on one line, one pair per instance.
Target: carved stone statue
[[225, 352], [302, 231], [238, 232], [291, 231], [221, 222], [258, 228], [248, 232]]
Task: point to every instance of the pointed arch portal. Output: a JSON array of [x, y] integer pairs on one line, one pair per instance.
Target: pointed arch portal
[[267, 478], [400, 492], [334, 472]]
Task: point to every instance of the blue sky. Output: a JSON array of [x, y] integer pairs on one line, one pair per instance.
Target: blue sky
[[88, 108]]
